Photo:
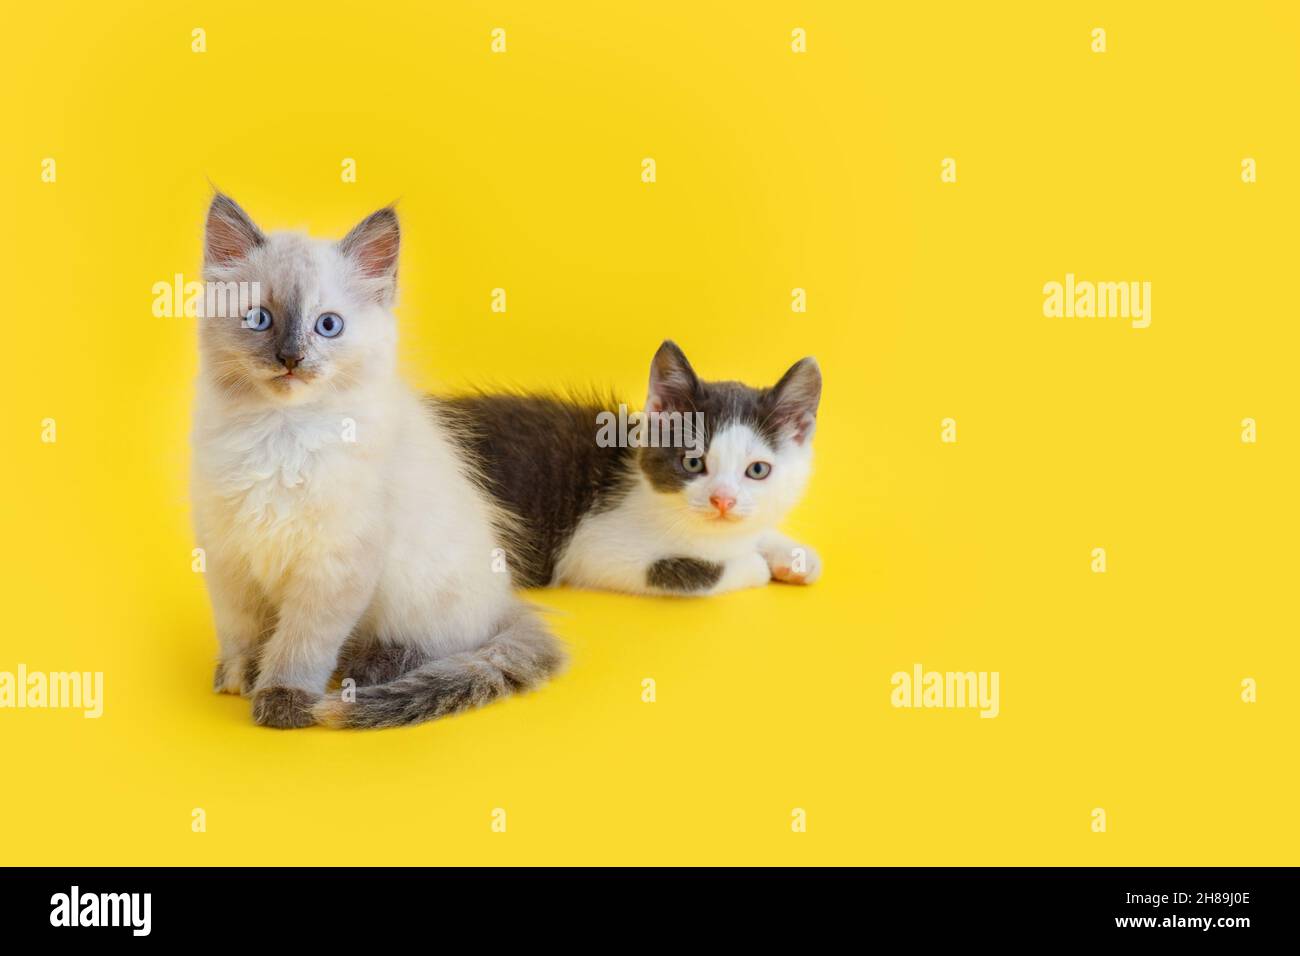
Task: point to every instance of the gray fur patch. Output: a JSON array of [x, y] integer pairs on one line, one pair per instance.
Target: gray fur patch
[[537, 455], [284, 708], [289, 331], [683, 574], [369, 662], [521, 656]]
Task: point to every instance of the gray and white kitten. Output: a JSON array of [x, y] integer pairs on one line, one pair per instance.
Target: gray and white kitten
[[651, 520], [342, 527]]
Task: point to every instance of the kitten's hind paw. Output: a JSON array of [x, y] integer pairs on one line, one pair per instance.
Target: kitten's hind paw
[[235, 675], [229, 676], [795, 564], [285, 708]]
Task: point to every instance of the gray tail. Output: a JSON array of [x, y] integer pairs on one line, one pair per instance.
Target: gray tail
[[522, 656]]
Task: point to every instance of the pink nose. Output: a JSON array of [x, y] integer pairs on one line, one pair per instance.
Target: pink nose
[[722, 503]]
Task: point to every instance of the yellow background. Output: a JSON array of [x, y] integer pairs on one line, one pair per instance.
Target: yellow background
[[775, 171]]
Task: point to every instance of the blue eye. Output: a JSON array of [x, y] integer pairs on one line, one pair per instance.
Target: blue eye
[[259, 320], [329, 325], [758, 470], [693, 465]]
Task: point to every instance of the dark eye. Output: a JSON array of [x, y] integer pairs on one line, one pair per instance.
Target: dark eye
[[259, 320], [329, 325], [693, 465], [758, 470]]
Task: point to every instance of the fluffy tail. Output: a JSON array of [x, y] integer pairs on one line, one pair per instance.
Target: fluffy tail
[[521, 656]]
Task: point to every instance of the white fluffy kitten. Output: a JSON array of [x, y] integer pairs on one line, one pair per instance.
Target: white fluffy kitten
[[342, 526]]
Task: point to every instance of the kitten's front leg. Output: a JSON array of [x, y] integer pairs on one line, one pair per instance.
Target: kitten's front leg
[[788, 560], [697, 576], [241, 615], [319, 610]]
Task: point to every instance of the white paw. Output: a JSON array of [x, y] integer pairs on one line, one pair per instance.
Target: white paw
[[753, 571], [228, 676], [794, 564], [234, 675]]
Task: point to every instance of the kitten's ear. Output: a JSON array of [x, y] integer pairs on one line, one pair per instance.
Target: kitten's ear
[[795, 399], [673, 383], [230, 234], [372, 245]]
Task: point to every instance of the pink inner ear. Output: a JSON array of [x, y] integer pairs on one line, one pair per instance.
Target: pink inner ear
[[377, 254], [229, 235], [373, 244], [801, 428], [227, 242]]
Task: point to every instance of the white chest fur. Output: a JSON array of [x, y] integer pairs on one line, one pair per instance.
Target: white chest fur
[[276, 486]]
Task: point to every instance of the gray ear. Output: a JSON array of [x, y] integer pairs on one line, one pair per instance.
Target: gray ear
[[673, 383], [795, 399], [373, 244], [230, 234]]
